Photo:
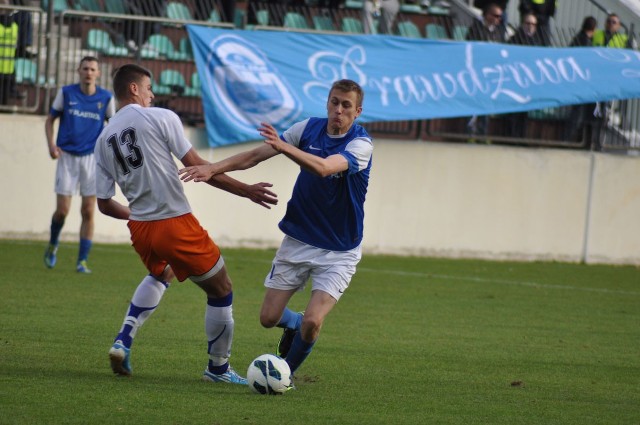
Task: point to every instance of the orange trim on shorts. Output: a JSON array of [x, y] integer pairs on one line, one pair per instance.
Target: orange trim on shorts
[[180, 242]]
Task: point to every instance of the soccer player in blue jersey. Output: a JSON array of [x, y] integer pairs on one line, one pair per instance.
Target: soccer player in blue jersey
[[323, 224], [82, 109]]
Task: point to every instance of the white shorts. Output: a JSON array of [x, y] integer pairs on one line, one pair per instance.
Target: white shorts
[[76, 173], [296, 262]]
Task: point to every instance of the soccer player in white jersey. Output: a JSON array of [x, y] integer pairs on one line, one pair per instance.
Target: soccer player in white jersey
[[82, 109], [323, 224], [135, 150]]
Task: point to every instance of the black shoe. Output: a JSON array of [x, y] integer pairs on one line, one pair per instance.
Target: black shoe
[[284, 345]]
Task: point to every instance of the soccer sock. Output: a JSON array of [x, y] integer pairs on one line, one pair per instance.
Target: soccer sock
[[290, 319], [85, 247], [218, 324], [144, 302], [298, 352], [56, 228]]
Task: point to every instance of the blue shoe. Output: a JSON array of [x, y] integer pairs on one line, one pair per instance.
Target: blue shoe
[[119, 356], [286, 340], [229, 377], [50, 257], [82, 267]]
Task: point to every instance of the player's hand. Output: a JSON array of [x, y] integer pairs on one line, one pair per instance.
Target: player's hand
[[54, 152], [271, 136], [197, 173], [262, 196]]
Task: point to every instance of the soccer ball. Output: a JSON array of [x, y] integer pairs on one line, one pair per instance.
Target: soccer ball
[[269, 374]]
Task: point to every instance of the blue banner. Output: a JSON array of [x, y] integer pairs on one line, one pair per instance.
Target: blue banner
[[250, 77]]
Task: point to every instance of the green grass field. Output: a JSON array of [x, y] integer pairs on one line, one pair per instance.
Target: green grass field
[[413, 341]]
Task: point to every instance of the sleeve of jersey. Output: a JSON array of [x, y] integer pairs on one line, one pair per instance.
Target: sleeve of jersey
[[358, 153], [105, 184], [178, 143], [294, 133], [58, 104]]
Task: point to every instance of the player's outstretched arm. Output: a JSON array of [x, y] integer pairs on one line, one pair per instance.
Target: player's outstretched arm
[[241, 161], [257, 193]]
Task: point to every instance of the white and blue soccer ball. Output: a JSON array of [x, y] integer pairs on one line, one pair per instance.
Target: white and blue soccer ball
[[269, 374]]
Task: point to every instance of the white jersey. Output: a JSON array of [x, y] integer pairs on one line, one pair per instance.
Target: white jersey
[[135, 150]]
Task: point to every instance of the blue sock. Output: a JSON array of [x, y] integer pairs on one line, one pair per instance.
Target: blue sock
[[85, 246], [290, 319], [132, 324], [298, 352], [56, 228]]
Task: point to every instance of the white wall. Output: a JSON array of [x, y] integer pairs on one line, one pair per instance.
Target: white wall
[[441, 199]]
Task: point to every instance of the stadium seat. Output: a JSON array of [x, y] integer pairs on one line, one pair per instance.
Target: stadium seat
[[354, 4], [115, 6], [26, 71], [262, 17], [295, 20], [410, 8], [165, 48], [158, 89], [178, 11], [460, 32], [408, 29], [436, 32], [323, 23], [100, 40], [352, 25], [214, 16], [195, 89], [87, 5], [174, 80], [239, 18], [185, 47], [58, 5]]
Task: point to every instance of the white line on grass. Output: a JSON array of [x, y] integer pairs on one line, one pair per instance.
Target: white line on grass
[[116, 248]]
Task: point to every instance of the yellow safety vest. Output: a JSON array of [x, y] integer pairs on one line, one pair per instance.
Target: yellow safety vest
[[618, 41], [8, 44]]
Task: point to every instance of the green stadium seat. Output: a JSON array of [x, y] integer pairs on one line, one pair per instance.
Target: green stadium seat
[[185, 47], [195, 89], [174, 80], [323, 23], [352, 25], [178, 11], [164, 46], [460, 32], [100, 41], [58, 5], [436, 32], [88, 5], [409, 29], [115, 6], [214, 16], [295, 20]]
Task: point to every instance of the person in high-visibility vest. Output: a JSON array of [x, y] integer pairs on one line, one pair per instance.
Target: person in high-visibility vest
[[610, 36], [8, 45]]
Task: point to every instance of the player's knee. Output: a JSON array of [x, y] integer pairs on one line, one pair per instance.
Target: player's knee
[[311, 328], [268, 320]]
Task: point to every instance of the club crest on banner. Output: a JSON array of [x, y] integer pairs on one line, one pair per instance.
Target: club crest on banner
[[247, 86]]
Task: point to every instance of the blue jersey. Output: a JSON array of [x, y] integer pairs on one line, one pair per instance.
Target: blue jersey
[[328, 212], [81, 117]]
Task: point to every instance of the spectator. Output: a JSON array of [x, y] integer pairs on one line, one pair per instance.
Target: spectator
[[581, 116], [25, 31], [383, 12], [609, 37], [481, 4], [8, 45], [489, 29], [526, 35], [82, 109], [544, 11]]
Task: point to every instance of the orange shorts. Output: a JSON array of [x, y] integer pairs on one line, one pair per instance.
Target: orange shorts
[[179, 242]]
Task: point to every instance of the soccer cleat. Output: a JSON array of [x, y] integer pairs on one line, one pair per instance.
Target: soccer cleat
[[286, 340], [50, 257], [119, 356], [229, 377], [82, 267]]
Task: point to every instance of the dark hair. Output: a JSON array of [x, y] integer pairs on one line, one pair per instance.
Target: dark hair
[[589, 23], [349, 86], [88, 59], [125, 75]]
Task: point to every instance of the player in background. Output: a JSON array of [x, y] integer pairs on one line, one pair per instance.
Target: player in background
[[82, 109], [323, 224], [136, 151]]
